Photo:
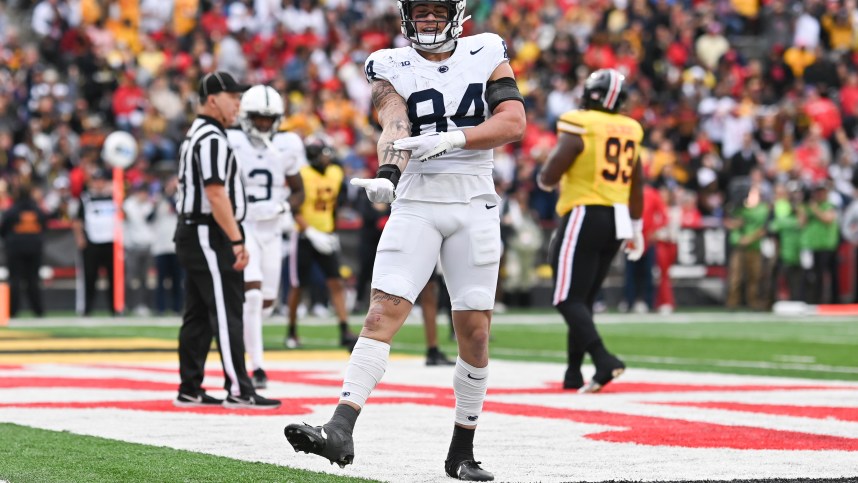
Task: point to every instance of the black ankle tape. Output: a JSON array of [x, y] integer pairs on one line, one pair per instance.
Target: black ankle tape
[[462, 445], [389, 171], [345, 417]]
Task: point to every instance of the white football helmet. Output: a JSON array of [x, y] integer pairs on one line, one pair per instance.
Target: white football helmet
[[262, 101], [439, 41]]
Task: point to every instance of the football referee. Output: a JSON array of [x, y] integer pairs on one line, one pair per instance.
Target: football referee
[[210, 246]]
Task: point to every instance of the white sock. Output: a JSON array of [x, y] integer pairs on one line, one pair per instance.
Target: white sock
[[253, 327], [366, 367], [469, 386]]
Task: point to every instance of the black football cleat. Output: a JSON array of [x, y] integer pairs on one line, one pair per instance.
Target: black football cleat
[[348, 340], [573, 378], [605, 374], [328, 441], [260, 379], [468, 470], [438, 358]]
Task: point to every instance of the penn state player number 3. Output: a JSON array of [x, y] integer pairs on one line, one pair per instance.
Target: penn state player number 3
[[268, 182]]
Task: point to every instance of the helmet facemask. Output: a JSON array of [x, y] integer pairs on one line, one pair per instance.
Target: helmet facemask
[[265, 102], [443, 39]]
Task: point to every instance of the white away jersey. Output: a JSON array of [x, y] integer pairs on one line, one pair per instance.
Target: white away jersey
[[443, 96], [265, 169]]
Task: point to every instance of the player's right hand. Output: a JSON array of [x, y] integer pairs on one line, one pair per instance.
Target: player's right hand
[[378, 190], [635, 247], [241, 257], [324, 243]]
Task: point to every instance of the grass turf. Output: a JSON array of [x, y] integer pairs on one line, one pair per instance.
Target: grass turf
[[37, 455], [806, 348]]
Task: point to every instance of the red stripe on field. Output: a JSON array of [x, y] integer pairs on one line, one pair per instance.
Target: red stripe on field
[[10, 367], [654, 431], [80, 382], [289, 407], [816, 412]]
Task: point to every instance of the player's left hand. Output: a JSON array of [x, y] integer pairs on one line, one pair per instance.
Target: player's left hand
[[378, 190], [635, 247], [432, 145]]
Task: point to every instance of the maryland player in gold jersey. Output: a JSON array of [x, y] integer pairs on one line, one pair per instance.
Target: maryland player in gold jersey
[[596, 165], [316, 241]]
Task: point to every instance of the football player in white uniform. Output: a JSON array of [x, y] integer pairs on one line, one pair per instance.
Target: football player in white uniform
[[444, 103], [270, 162]]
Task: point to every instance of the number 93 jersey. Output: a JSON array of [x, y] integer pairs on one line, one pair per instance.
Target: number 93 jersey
[[265, 168], [444, 96], [602, 173]]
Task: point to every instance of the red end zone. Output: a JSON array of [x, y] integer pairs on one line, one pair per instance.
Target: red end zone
[[673, 425]]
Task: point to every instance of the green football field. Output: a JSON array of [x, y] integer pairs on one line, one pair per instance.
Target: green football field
[[811, 348]]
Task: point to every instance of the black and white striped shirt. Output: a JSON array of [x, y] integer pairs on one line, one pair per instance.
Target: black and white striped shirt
[[206, 158]]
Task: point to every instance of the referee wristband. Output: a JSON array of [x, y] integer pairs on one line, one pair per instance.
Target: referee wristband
[[237, 242]]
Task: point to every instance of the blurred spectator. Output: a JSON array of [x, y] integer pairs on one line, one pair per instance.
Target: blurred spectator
[[169, 272], [821, 236], [747, 225], [22, 230], [521, 248], [138, 209], [788, 218], [639, 293]]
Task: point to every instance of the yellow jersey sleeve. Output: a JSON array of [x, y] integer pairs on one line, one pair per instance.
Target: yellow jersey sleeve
[[602, 173], [573, 122]]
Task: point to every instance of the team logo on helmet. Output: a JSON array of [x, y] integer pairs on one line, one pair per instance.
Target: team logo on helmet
[[604, 90], [436, 41]]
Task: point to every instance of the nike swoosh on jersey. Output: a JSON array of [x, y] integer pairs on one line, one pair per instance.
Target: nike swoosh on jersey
[[488, 206], [474, 52]]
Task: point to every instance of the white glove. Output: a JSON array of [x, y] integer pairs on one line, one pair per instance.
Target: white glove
[[269, 211], [635, 247], [432, 145], [324, 243], [378, 190]]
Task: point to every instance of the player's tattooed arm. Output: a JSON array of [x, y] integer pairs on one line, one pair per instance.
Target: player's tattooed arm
[[393, 117]]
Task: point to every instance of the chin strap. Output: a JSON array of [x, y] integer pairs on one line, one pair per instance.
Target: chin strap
[[446, 46], [264, 139]]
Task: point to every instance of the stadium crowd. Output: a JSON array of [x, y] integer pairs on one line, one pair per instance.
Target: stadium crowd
[[749, 107]]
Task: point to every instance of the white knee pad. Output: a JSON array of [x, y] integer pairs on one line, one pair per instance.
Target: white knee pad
[[469, 385], [474, 299], [253, 327], [366, 367]]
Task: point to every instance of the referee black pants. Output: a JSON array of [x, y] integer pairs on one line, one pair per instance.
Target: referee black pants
[[214, 296], [581, 250], [95, 257]]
